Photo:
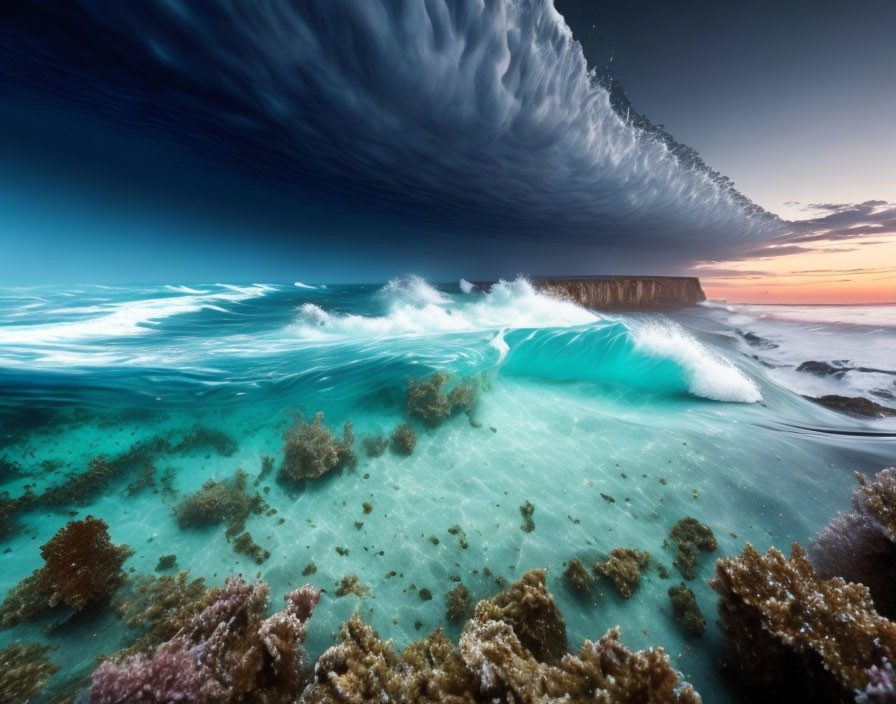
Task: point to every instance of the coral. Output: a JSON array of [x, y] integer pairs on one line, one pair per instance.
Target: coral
[[577, 576], [351, 584], [691, 536], [403, 439], [786, 628], [222, 654], [311, 450], [220, 502], [160, 607], [166, 562], [687, 612], [426, 402], [881, 687], [374, 445], [493, 662], [81, 564], [244, 544], [458, 604], [25, 670], [526, 511], [624, 567], [860, 545]]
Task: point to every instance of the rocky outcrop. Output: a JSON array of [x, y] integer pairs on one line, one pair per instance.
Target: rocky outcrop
[[627, 292]]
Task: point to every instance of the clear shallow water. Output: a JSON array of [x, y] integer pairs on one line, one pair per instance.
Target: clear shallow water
[[700, 419]]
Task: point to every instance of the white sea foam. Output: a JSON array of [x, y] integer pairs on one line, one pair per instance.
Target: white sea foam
[[466, 286], [413, 307], [299, 284], [122, 319], [708, 374]]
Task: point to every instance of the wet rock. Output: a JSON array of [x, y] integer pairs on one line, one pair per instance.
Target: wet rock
[[822, 369], [854, 406]]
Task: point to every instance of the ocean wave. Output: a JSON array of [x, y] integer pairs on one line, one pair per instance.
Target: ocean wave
[[299, 284], [122, 318]]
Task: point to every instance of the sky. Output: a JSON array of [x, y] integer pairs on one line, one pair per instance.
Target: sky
[[332, 140]]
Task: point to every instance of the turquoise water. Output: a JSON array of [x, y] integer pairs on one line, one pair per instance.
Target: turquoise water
[[669, 415]]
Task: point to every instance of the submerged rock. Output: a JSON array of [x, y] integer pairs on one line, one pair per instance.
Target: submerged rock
[[624, 567], [311, 450], [790, 631], [822, 369], [691, 536], [853, 405], [526, 511]]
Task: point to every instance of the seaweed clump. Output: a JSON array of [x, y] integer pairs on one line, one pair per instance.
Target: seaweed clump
[[228, 652], [427, 403], [526, 511], [81, 566], [499, 659], [216, 502], [687, 612], [691, 536], [458, 604], [403, 440], [578, 577], [311, 450], [623, 567], [25, 670], [160, 606], [860, 545], [787, 630], [374, 445], [244, 544], [351, 584]]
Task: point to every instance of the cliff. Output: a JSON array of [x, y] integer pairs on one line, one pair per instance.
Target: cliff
[[627, 293]]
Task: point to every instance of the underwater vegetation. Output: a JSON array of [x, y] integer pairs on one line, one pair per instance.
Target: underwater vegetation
[[623, 567], [219, 502], [81, 565], [311, 450], [403, 440], [687, 612], [513, 649], [221, 654], [860, 545], [25, 670], [427, 403], [790, 632], [691, 536]]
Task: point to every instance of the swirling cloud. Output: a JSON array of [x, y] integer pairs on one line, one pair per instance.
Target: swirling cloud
[[472, 116]]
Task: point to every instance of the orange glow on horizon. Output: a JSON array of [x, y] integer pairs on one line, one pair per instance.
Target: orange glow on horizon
[[860, 270]]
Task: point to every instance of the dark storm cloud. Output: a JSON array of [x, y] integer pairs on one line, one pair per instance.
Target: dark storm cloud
[[478, 116]]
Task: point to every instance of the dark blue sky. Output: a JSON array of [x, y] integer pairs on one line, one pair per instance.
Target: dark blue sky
[[335, 140]]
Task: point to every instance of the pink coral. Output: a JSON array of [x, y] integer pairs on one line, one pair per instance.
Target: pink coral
[[221, 655]]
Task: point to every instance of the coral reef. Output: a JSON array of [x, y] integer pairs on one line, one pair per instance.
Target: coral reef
[[81, 565], [788, 630], [222, 654], [860, 545], [526, 511], [160, 607], [687, 612], [691, 536], [311, 450], [351, 584], [881, 687], [374, 445], [403, 440], [623, 567], [458, 604], [25, 670], [220, 502], [495, 662], [578, 577], [426, 402]]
